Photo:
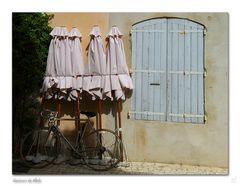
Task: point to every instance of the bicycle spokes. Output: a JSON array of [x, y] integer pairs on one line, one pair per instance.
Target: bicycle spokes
[[39, 148], [102, 148]]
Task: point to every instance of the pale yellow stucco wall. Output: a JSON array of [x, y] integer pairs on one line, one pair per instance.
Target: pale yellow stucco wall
[[84, 22], [163, 141]]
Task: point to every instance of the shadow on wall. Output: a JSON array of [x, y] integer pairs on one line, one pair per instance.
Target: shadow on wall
[[86, 104], [68, 108]]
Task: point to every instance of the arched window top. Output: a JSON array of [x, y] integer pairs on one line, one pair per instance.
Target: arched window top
[[173, 20]]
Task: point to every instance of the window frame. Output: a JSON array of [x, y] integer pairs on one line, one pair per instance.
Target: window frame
[[203, 73]]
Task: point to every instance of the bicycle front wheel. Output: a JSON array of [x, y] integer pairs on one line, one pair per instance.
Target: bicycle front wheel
[[102, 149], [39, 148]]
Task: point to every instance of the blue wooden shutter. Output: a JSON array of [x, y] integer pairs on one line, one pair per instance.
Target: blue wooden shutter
[[185, 71], [167, 65], [149, 70]]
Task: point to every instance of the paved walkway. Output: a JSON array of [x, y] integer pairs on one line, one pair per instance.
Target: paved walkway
[[133, 168]]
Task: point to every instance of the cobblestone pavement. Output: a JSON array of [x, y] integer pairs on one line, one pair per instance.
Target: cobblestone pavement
[[132, 168]]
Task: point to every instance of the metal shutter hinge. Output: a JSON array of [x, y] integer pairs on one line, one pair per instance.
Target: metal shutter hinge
[[205, 72], [205, 117], [204, 32]]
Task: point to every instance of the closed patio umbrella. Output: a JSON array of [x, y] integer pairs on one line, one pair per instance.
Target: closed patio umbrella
[[58, 70], [50, 80], [95, 66], [63, 63], [120, 81], [76, 62]]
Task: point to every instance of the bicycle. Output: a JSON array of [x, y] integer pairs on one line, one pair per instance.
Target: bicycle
[[99, 149]]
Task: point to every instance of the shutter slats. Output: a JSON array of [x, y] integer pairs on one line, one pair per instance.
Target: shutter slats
[[194, 79], [200, 78], [187, 53], [134, 57], [163, 66], [138, 65], [181, 82], [156, 91], [169, 77], [175, 67], [150, 75], [145, 77]]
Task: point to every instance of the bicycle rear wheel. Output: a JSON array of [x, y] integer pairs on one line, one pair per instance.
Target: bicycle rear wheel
[[39, 148], [102, 149]]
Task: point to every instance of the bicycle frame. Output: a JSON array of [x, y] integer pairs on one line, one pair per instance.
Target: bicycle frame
[[79, 139]]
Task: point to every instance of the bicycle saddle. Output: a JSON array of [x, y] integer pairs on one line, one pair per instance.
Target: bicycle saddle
[[88, 114]]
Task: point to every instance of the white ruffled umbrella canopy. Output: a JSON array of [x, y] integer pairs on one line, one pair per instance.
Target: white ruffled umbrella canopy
[[77, 62], [64, 64], [63, 67], [120, 80], [50, 80], [95, 67]]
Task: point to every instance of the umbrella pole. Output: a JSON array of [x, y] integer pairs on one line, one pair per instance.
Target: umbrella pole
[[78, 112], [100, 113], [97, 115], [120, 125], [42, 107], [100, 121], [97, 118], [59, 111]]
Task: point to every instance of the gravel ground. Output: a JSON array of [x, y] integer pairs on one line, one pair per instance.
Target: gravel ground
[[131, 168]]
